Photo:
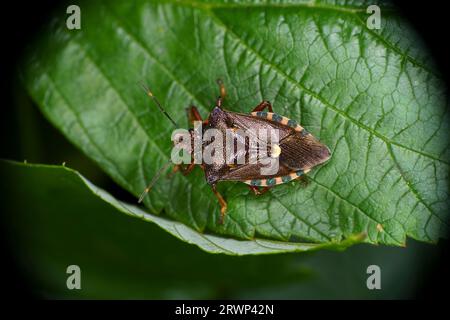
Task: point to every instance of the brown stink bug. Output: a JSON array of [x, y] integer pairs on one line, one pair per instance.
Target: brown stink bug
[[296, 151]]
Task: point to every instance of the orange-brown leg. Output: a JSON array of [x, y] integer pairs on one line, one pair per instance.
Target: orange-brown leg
[[257, 191], [185, 170], [222, 90], [219, 102], [262, 106], [193, 114], [223, 93], [222, 202], [175, 169]]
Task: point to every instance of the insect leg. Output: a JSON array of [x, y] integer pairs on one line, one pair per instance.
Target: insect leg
[[257, 191], [262, 106], [223, 93], [222, 202], [184, 170], [175, 169], [219, 102], [254, 189], [193, 114], [222, 90]]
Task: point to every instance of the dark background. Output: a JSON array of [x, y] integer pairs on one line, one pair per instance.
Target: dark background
[[21, 21]]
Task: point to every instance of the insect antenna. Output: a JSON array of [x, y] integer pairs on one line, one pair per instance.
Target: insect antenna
[[150, 94], [155, 178]]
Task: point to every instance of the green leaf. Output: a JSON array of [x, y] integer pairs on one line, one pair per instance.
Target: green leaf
[[372, 96], [71, 183], [56, 220]]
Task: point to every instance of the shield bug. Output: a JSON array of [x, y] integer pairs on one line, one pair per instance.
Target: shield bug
[[294, 150]]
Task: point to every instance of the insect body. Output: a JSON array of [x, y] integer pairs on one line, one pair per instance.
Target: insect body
[[296, 151]]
